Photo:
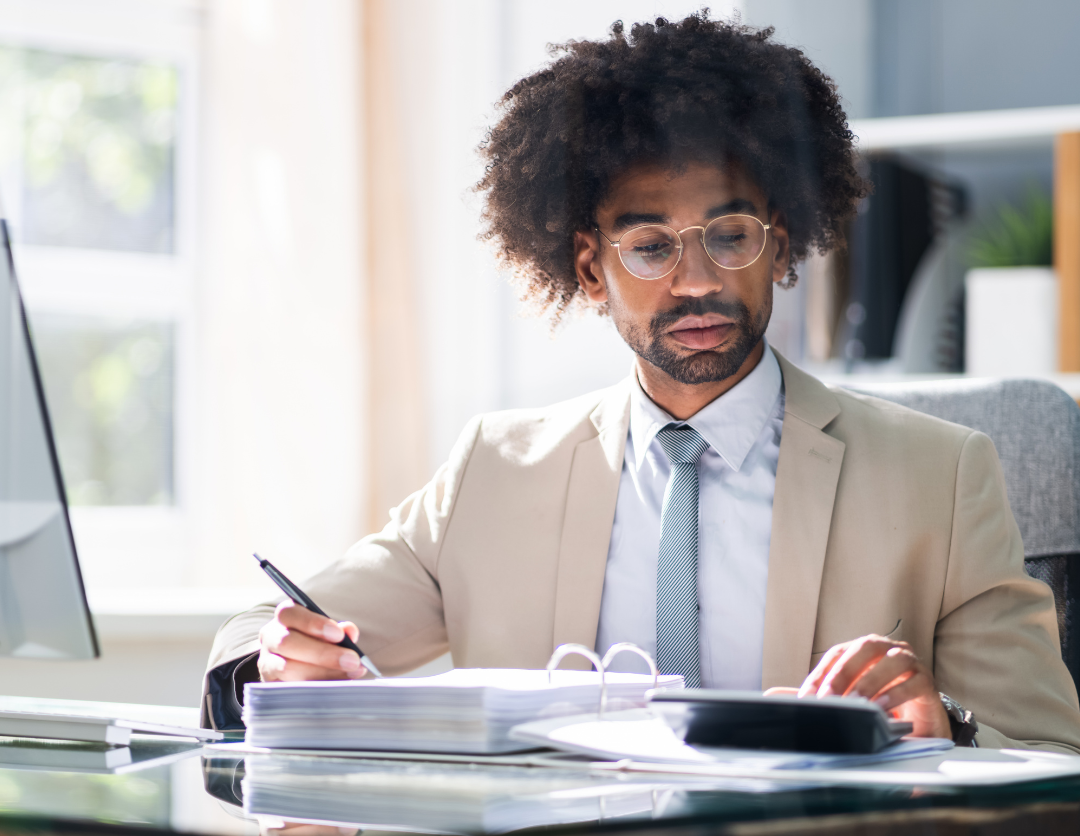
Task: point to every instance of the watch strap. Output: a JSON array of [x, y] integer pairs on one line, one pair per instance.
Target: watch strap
[[962, 722]]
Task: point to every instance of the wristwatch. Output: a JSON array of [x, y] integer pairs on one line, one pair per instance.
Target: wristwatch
[[961, 722]]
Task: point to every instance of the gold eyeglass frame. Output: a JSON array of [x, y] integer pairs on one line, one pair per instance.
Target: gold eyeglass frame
[[682, 245]]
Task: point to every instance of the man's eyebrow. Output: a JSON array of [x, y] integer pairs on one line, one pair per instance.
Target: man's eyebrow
[[738, 206], [628, 220]]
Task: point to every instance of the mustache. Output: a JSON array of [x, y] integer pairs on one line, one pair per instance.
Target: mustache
[[699, 306]]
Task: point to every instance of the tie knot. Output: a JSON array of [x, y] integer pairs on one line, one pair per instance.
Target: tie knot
[[682, 443]]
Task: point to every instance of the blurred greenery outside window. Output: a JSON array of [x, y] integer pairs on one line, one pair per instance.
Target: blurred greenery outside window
[[87, 155], [110, 392], [94, 139]]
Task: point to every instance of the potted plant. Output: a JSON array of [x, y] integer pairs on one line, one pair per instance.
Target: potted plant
[[1012, 293]]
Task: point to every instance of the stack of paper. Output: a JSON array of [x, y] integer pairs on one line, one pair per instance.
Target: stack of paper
[[469, 711]]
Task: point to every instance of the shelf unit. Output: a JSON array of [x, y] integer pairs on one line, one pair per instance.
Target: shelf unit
[[1016, 128]]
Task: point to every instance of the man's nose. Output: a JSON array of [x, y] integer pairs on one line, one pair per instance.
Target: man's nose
[[696, 274]]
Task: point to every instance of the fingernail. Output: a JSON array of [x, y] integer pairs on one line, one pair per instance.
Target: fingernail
[[349, 661], [357, 674], [333, 633], [882, 701]]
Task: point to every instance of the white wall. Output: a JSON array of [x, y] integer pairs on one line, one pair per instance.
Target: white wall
[[279, 441], [837, 35], [165, 671]]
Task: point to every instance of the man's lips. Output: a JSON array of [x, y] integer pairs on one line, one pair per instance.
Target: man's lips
[[701, 332]]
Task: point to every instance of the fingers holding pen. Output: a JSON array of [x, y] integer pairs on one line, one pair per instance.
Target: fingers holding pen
[[301, 645], [300, 619], [295, 617], [275, 668]]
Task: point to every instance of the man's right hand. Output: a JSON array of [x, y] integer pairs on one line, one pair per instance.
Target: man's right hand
[[299, 645]]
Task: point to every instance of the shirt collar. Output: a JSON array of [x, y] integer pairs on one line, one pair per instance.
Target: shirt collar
[[730, 424]]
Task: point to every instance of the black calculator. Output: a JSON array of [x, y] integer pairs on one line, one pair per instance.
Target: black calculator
[[750, 720]]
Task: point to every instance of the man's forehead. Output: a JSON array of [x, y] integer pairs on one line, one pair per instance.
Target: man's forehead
[[650, 193]]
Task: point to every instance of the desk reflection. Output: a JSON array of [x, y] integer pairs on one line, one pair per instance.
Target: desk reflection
[[180, 787], [327, 796], [155, 782], [297, 829]]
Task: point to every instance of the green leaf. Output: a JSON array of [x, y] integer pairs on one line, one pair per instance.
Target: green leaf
[[1017, 237]]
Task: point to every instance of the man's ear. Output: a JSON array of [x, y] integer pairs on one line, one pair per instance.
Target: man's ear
[[590, 273], [782, 256]]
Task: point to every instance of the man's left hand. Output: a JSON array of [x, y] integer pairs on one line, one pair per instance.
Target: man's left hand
[[887, 672]]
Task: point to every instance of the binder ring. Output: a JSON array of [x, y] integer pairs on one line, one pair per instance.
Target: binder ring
[[630, 647], [564, 650]]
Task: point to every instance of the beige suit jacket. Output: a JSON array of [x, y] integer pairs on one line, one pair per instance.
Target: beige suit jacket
[[885, 521]]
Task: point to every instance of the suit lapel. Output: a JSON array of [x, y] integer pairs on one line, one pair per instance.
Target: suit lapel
[[591, 495], [806, 479], [807, 475]]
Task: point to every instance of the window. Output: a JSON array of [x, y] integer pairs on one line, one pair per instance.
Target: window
[[90, 151], [91, 148], [96, 175], [209, 401]]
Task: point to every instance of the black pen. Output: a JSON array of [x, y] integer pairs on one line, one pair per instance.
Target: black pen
[[300, 597]]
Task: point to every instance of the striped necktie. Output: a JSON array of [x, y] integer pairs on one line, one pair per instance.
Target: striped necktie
[[676, 568]]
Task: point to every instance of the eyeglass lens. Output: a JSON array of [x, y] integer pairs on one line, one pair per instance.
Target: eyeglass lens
[[731, 241]]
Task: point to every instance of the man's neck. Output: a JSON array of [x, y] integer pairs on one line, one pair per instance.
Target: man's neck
[[684, 400]]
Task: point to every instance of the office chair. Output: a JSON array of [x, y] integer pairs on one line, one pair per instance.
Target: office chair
[[1035, 426]]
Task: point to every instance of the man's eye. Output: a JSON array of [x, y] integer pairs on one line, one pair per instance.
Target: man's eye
[[660, 249], [727, 242]]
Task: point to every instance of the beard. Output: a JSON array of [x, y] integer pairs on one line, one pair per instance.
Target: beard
[[710, 365]]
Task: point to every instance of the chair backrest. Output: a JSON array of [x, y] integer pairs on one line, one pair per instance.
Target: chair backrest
[[1035, 427]]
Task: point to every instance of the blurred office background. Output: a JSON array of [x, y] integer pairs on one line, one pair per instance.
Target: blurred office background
[[248, 247]]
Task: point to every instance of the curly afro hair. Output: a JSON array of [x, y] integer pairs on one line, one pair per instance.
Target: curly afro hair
[[669, 92]]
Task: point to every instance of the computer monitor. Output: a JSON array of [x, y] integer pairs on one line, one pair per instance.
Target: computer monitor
[[43, 609]]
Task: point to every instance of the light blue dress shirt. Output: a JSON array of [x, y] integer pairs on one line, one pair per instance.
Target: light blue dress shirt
[[737, 477]]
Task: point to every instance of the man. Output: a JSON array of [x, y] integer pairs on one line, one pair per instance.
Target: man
[[722, 509]]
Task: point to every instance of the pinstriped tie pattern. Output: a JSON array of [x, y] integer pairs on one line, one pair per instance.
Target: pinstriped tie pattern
[[676, 568]]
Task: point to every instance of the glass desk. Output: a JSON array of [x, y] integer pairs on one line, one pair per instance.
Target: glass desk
[[168, 785]]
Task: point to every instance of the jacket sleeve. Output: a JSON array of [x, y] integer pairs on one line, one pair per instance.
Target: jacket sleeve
[[996, 646], [387, 584]]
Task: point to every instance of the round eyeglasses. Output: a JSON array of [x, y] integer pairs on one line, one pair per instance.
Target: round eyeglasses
[[654, 250]]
